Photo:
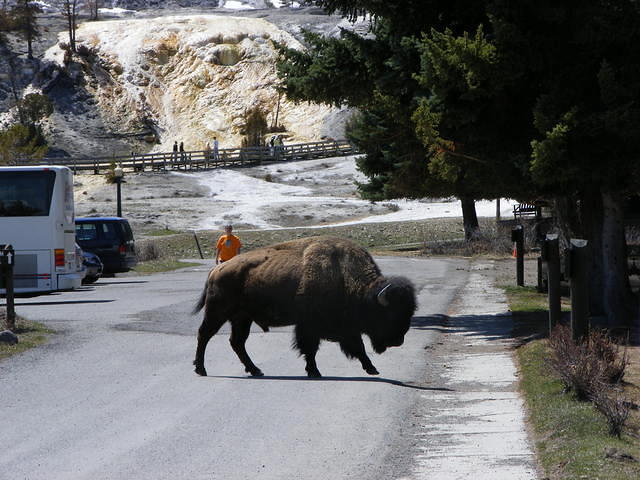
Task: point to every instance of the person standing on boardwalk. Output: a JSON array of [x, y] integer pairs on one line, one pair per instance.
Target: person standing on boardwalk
[[216, 155], [228, 245], [207, 152], [175, 151], [182, 151]]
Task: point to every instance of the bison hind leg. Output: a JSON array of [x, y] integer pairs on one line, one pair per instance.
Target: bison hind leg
[[308, 346], [240, 328], [211, 323]]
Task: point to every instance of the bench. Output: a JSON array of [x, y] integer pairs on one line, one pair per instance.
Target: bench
[[525, 210]]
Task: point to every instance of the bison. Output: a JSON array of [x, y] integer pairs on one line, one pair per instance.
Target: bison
[[329, 288]]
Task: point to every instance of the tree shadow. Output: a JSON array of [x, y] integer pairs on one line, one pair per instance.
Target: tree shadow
[[62, 302], [436, 323], [518, 327]]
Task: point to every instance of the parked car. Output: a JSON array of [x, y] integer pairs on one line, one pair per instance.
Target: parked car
[[81, 268], [111, 239], [93, 267]]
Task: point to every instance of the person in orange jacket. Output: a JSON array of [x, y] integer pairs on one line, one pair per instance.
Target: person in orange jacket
[[228, 245]]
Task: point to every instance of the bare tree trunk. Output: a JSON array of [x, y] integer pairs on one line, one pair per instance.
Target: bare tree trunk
[[469, 218], [592, 218], [277, 109], [619, 303]]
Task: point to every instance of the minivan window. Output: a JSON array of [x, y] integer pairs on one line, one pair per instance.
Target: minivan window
[[109, 231], [26, 194], [86, 232]]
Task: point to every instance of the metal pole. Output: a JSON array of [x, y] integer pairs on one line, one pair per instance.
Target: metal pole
[[579, 275], [497, 209], [119, 197], [517, 235], [552, 257]]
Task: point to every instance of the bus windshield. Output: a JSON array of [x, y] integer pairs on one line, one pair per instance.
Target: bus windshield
[[26, 194]]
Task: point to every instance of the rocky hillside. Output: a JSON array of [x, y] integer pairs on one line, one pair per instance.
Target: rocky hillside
[[150, 78]]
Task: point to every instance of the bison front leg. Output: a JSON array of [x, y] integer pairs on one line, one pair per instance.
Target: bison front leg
[[240, 328], [353, 347]]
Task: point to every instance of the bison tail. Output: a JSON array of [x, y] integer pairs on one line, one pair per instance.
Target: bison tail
[[201, 301]]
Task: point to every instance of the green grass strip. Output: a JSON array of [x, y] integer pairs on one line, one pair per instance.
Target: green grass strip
[[30, 335], [571, 437]]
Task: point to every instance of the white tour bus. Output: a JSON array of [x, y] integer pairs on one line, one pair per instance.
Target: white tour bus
[[37, 219]]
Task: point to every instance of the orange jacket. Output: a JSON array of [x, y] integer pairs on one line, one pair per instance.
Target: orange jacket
[[227, 247]]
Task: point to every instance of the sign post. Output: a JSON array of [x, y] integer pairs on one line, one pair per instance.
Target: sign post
[[7, 258]]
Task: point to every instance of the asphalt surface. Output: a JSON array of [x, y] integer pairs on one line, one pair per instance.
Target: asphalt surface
[[113, 395]]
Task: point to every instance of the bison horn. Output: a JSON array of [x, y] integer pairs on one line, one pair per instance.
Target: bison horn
[[382, 299]]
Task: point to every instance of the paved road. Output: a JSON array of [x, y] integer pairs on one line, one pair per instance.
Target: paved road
[[114, 396]]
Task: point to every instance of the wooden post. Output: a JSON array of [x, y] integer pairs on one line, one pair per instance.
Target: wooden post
[[551, 255], [197, 244], [517, 235], [579, 284]]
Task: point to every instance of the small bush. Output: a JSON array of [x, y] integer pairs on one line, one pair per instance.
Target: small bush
[[592, 369], [83, 50], [110, 176], [579, 369], [147, 250], [608, 351], [615, 409], [392, 207]]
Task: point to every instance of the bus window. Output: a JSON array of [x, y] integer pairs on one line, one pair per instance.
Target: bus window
[[26, 194]]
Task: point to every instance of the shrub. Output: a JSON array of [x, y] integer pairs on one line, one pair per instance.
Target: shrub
[[147, 250], [84, 50], [613, 407], [579, 369], [592, 369]]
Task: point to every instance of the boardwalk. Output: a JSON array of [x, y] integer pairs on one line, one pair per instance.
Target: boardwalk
[[201, 159]]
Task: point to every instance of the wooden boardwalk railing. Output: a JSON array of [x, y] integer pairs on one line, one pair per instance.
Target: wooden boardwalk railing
[[201, 159]]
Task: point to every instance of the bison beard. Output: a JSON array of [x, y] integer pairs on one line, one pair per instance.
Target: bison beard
[[329, 288]]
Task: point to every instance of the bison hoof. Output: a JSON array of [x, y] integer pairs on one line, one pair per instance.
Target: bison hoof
[[314, 373], [372, 370], [255, 373], [200, 370]]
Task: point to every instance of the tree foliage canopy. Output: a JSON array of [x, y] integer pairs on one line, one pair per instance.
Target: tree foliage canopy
[[21, 142], [527, 99]]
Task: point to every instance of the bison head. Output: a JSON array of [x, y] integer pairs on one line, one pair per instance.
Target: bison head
[[396, 303]]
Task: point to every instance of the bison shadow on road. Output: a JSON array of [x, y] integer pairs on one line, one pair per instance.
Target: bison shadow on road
[[299, 378]]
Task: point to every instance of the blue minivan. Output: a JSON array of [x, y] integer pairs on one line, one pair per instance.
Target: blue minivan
[[111, 239]]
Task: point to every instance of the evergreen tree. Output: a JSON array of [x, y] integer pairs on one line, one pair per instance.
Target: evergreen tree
[[33, 108], [579, 63], [530, 98], [255, 127], [24, 15], [376, 74], [19, 143]]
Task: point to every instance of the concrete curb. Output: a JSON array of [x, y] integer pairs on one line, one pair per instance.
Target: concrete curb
[[476, 427]]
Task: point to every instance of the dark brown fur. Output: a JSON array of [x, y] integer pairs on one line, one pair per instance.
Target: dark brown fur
[[327, 287]]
